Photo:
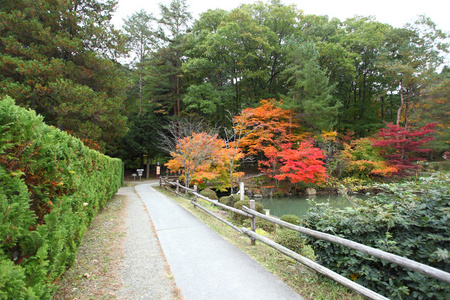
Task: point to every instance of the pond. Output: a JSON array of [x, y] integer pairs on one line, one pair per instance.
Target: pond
[[298, 205]]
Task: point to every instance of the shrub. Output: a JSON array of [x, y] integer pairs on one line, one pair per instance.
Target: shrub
[[293, 219], [51, 187], [264, 225], [209, 193], [413, 225], [227, 201], [239, 218], [290, 239]]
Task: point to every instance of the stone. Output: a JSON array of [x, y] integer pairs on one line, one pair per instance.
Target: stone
[[311, 191]]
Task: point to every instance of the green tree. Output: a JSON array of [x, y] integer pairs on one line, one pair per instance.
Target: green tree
[[433, 106], [141, 141], [139, 29], [165, 78], [311, 94], [412, 59], [364, 38], [54, 59]]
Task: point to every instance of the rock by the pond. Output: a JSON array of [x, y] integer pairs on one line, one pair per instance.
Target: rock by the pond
[[257, 196], [311, 191]]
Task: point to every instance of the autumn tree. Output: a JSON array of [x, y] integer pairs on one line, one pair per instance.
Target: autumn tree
[[361, 159], [302, 163], [233, 138], [194, 151], [266, 124], [402, 146]]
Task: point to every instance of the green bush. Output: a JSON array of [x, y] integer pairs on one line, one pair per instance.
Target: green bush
[[290, 239], [413, 222], [260, 224], [51, 187], [293, 219], [209, 193], [236, 197], [238, 219]]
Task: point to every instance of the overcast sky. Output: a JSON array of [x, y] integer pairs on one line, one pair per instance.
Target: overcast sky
[[394, 12]]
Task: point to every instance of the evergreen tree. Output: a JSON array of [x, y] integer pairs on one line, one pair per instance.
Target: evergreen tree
[[54, 59], [311, 94]]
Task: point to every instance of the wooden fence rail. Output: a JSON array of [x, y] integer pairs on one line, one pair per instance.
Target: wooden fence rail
[[251, 213], [363, 291], [392, 258]]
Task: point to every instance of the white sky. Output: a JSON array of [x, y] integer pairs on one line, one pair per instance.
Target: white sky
[[394, 12]]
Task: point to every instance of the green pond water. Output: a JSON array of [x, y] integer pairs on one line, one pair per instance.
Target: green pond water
[[298, 205]]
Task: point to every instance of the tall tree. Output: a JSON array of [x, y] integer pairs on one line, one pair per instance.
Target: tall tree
[[165, 76], [53, 59], [311, 93], [413, 56], [433, 106], [140, 30]]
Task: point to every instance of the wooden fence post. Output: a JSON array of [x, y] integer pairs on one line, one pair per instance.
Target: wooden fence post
[[252, 221], [178, 187], [195, 196], [241, 190]]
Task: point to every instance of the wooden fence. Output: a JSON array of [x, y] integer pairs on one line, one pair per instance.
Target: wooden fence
[[252, 214]]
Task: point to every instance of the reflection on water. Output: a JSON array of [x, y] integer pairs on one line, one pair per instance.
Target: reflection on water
[[298, 205]]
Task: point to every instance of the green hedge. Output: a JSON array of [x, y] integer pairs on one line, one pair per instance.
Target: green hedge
[[51, 188], [411, 220]]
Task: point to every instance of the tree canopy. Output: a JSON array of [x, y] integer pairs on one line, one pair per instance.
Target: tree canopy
[[58, 58]]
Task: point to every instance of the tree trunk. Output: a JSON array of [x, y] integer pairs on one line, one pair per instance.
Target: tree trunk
[[148, 165], [399, 111], [407, 107], [140, 93]]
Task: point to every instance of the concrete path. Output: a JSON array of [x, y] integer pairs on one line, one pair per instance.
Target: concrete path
[[204, 265]]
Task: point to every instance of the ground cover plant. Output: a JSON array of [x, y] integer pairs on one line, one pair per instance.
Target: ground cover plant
[[51, 188], [409, 219]]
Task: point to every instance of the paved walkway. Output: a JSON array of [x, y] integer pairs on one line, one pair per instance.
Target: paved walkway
[[204, 265]]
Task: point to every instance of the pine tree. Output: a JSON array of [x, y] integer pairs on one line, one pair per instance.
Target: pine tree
[[56, 57]]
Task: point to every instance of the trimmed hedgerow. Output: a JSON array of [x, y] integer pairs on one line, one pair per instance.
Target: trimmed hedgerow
[[411, 221], [51, 188]]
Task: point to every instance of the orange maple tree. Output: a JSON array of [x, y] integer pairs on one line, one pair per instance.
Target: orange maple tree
[[195, 152], [221, 172], [266, 125]]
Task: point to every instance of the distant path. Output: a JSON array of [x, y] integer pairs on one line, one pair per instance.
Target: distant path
[[203, 264]]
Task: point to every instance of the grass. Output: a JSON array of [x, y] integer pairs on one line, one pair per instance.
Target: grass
[[307, 283], [95, 274]]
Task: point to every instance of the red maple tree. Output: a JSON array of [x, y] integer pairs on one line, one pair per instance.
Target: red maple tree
[[298, 164], [401, 146]]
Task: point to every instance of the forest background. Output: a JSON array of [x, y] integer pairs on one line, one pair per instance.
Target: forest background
[[340, 81]]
